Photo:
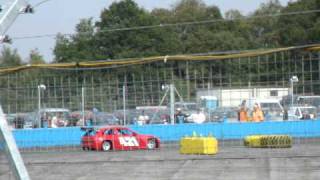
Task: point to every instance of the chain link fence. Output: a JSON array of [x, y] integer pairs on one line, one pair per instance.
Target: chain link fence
[[46, 108], [137, 94]]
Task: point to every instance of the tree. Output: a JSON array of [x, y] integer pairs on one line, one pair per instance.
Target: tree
[[194, 11], [125, 30], [265, 27], [114, 44], [301, 28], [64, 49], [9, 58], [78, 47], [35, 57]]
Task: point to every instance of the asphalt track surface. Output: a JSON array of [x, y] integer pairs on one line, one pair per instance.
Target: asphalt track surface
[[233, 162]]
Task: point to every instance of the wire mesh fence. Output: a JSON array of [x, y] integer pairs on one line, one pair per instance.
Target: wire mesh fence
[[206, 92], [55, 114]]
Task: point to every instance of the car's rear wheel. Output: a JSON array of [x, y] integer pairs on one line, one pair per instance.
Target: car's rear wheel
[[106, 146], [151, 144]]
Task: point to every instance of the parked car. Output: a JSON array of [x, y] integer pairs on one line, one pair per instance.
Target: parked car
[[302, 112], [299, 100], [218, 115], [104, 118], [116, 138], [187, 107]]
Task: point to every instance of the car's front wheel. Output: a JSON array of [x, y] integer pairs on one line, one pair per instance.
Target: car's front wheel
[[106, 146], [151, 144]]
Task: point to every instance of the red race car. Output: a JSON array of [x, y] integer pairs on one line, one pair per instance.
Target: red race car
[[116, 138]]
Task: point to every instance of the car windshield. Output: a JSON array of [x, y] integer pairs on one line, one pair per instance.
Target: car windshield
[[62, 115], [105, 119], [187, 106], [228, 112], [273, 107], [313, 101]]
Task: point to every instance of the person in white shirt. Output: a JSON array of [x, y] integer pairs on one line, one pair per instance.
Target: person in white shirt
[[199, 117], [54, 122], [143, 119]]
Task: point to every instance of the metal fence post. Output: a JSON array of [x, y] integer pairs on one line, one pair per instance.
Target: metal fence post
[[124, 104], [172, 100]]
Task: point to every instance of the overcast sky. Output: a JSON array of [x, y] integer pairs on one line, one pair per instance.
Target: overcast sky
[[61, 16]]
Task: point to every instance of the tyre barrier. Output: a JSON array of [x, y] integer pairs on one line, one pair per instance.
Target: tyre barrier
[[199, 145], [268, 141]]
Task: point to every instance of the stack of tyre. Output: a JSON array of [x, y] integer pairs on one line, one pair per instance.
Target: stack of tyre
[[268, 141]]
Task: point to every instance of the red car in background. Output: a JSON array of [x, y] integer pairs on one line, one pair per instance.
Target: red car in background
[[116, 138]]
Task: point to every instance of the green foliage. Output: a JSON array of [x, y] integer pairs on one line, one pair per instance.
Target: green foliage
[[35, 57], [102, 39], [300, 29], [9, 57], [78, 47], [115, 44]]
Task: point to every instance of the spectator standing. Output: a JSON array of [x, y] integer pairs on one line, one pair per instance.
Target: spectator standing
[[143, 119], [180, 117], [18, 122], [198, 118], [54, 122], [285, 114], [243, 112], [257, 114]]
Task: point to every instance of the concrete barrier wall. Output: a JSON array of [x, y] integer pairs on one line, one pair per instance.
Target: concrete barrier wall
[[71, 136]]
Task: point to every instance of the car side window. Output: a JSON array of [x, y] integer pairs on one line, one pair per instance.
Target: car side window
[[125, 132], [109, 132], [297, 112], [90, 133]]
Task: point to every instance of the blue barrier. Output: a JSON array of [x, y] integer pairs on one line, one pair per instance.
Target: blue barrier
[[47, 137]]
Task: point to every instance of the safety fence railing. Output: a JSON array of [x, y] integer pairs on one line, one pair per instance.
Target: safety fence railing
[[65, 139]]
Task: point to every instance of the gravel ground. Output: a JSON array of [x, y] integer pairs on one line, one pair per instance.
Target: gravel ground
[[233, 161]]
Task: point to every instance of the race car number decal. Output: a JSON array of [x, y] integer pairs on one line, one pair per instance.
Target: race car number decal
[[128, 141]]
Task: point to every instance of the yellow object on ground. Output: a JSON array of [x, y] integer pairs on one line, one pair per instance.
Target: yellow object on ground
[[268, 141], [199, 145], [253, 141]]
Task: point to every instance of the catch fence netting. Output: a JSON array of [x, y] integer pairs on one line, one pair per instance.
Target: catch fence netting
[[46, 107], [56, 116]]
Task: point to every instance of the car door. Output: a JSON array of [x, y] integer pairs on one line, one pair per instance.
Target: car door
[[127, 139], [88, 138], [109, 135]]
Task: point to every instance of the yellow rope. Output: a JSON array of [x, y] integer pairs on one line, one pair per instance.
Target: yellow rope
[[136, 61]]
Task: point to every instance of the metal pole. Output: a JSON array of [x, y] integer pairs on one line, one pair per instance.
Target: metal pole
[[291, 83], [82, 104], [172, 100], [39, 106], [124, 104]]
